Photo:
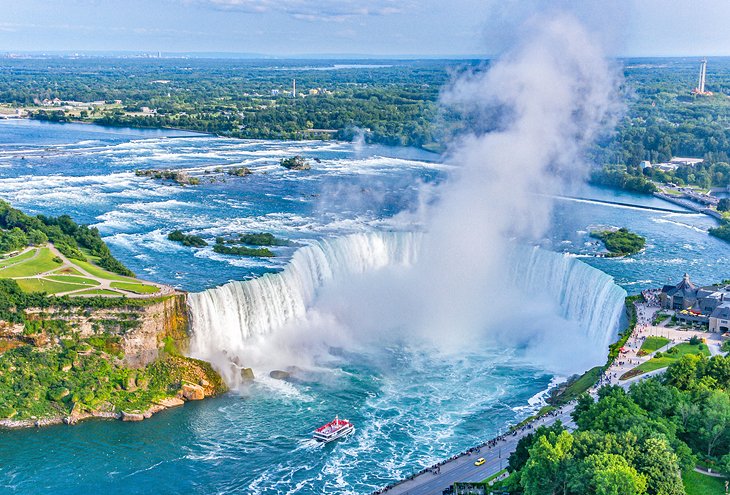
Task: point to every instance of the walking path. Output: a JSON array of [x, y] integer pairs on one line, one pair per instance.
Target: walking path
[[630, 359], [101, 283]]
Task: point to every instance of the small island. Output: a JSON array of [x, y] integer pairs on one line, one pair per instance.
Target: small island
[[239, 171], [221, 248], [178, 176], [296, 163], [188, 240], [620, 242]]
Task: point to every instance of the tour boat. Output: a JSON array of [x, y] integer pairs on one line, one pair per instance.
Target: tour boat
[[333, 430]]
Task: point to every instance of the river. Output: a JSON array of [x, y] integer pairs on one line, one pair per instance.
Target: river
[[413, 403]]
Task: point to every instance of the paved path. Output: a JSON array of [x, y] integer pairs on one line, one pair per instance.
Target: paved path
[[462, 467], [645, 328], [102, 283]]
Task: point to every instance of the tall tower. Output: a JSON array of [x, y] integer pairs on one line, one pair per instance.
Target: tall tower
[[703, 72], [294, 88]]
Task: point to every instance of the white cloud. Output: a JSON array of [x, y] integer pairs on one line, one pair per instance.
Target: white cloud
[[313, 10]]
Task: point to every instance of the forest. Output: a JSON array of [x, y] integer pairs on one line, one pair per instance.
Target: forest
[[646, 440], [394, 102]]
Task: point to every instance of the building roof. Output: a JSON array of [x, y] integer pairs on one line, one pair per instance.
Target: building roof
[[683, 289], [722, 312]]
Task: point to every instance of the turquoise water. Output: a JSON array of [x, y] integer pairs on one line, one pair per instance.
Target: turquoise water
[[412, 404]]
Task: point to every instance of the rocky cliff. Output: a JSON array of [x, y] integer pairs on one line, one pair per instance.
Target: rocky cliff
[[142, 330]]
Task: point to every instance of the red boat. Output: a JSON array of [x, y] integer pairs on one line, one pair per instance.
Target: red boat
[[333, 430]]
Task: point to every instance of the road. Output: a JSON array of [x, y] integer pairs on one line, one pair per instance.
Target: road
[[463, 469]]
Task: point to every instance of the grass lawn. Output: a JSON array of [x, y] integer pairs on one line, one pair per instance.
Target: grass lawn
[[47, 286], [68, 271], [40, 264], [70, 279], [586, 381], [660, 318], [651, 344], [9, 261], [100, 272], [98, 292], [666, 359], [136, 288], [699, 484]]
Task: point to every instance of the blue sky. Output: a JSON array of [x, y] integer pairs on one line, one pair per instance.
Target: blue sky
[[366, 27]]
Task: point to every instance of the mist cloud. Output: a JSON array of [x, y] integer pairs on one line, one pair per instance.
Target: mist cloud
[[532, 113]]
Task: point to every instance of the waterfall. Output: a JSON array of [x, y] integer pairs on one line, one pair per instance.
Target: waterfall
[[584, 294], [228, 319]]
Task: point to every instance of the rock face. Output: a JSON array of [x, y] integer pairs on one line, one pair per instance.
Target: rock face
[[192, 392], [166, 319], [142, 329], [171, 402], [279, 374], [132, 416], [296, 163], [247, 375]]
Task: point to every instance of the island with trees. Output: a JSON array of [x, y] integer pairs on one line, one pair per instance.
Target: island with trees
[[620, 242], [296, 163], [80, 336]]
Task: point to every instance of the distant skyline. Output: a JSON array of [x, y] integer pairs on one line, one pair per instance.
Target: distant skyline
[[377, 28]]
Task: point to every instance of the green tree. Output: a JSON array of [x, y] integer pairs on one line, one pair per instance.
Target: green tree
[[611, 474], [659, 464], [715, 419], [545, 471]]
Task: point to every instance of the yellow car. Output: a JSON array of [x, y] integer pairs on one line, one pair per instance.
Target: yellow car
[[479, 461]]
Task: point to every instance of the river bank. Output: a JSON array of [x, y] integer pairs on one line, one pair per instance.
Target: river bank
[[189, 392]]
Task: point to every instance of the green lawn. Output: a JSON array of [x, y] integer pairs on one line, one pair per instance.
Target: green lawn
[[137, 288], [699, 484], [582, 384], [47, 286], [9, 261], [98, 292], [100, 272], [666, 359], [40, 264], [651, 344], [660, 318], [494, 476], [71, 279]]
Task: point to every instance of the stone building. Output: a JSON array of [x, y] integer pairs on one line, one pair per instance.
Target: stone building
[[706, 305]]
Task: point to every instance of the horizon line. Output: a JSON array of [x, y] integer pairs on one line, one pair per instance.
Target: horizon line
[[159, 54]]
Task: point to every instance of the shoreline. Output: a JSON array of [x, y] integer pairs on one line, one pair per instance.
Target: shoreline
[[212, 134], [544, 416], [77, 416]]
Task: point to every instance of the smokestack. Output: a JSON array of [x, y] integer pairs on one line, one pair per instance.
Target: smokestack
[[294, 88], [703, 71]]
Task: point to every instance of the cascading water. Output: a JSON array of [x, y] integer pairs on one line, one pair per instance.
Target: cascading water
[[584, 294], [228, 320]]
